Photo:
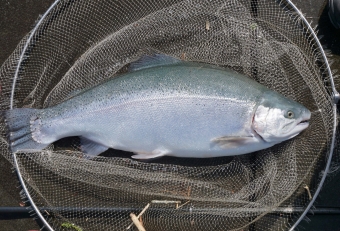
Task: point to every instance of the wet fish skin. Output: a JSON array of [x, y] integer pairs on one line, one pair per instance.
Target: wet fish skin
[[175, 108]]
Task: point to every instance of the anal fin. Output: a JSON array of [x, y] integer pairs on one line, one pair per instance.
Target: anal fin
[[90, 147], [150, 155]]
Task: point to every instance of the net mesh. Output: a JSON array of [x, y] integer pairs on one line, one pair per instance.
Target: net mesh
[[80, 44]]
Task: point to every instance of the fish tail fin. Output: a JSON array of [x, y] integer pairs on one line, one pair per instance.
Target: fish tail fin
[[21, 125]]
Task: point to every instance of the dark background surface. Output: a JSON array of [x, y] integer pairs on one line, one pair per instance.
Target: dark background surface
[[17, 18]]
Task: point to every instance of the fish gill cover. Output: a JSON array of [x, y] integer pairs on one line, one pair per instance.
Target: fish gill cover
[[80, 44]]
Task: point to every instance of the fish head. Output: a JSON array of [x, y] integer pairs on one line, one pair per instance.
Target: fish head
[[277, 118]]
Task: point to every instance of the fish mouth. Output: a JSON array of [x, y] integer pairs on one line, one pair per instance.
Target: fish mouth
[[302, 125], [298, 129], [305, 121]]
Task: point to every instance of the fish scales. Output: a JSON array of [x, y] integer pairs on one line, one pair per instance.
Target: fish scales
[[176, 101]]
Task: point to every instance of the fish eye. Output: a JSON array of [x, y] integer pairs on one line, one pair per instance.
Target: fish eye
[[290, 114]]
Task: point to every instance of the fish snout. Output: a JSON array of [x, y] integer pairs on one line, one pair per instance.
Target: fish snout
[[305, 117]]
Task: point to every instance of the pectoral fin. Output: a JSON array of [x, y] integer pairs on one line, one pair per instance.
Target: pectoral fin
[[91, 148], [232, 141], [150, 155]]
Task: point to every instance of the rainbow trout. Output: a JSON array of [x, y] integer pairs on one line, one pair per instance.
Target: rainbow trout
[[164, 106]]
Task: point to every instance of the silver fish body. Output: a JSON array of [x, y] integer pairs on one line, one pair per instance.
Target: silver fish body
[[181, 109]]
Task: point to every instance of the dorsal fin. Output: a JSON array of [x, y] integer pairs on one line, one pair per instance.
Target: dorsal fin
[[155, 60]]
